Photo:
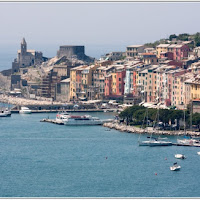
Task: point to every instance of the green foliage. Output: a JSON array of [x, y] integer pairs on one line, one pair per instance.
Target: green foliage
[[152, 45], [183, 37], [197, 39], [172, 36], [137, 115]]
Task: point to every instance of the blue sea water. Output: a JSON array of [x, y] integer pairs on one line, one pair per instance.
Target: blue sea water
[[47, 160]]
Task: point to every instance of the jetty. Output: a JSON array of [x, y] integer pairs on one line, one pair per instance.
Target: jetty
[[132, 129], [53, 121]]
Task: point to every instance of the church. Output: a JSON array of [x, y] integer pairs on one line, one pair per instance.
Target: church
[[26, 58]]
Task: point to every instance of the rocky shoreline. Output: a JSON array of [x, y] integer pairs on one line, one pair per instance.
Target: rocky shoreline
[[133, 129]]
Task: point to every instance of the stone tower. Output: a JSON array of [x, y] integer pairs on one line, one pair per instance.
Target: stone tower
[[23, 47]]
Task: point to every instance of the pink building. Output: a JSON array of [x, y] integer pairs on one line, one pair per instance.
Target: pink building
[[168, 55], [108, 85], [180, 52], [120, 75]]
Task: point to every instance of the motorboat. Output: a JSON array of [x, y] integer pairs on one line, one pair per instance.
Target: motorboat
[[180, 156], [69, 119], [25, 110], [175, 167], [154, 142], [5, 113], [198, 153]]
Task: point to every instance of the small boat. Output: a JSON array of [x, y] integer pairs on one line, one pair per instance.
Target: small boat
[[5, 113], [180, 156], [198, 153], [25, 110], [175, 167]]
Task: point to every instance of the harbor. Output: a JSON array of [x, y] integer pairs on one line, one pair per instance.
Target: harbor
[[50, 156]]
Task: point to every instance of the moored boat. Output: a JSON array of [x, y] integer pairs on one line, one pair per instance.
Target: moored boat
[[5, 113], [69, 119], [25, 110]]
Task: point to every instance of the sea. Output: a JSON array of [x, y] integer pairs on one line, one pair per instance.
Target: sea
[[40, 159]]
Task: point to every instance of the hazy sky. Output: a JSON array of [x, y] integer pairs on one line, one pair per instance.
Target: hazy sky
[[101, 27]]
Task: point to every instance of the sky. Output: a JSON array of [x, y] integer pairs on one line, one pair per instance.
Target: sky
[[101, 27]]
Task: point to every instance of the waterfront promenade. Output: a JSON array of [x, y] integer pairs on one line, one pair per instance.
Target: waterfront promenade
[[23, 101], [133, 129]]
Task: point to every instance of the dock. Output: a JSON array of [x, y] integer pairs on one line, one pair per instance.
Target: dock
[[187, 145], [53, 121]]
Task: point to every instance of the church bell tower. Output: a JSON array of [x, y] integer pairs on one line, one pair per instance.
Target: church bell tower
[[23, 46]]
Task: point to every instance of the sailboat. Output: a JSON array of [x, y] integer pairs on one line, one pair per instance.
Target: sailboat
[[154, 141], [188, 140]]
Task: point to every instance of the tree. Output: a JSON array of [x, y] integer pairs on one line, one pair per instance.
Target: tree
[[197, 39], [172, 36], [183, 36]]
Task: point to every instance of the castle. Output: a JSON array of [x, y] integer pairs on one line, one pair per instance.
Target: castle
[[26, 58], [73, 51]]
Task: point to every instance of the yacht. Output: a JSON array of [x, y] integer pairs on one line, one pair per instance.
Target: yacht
[[69, 119], [25, 110], [175, 167], [5, 113]]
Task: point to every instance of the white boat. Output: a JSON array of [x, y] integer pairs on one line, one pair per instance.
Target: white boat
[[5, 113], [78, 119], [61, 116], [180, 156], [25, 110], [198, 153], [175, 167], [154, 142], [188, 142]]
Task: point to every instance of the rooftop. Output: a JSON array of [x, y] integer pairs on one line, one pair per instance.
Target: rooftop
[[135, 46]]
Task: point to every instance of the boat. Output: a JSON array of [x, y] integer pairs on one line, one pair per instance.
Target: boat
[[5, 113], [153, 141], [69, 119], [180, 156], [175, 167], [198, 153], [62, 115], [188, 140], [25, 110]]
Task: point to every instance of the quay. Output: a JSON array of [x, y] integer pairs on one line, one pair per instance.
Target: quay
[[52, 121], [188, 145], [131, 129], [55, 111]]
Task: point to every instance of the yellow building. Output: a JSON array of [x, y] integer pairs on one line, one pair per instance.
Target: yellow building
[[161, 48], [75, 81]]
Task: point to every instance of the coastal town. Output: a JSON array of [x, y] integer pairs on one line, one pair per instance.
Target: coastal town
[[165, 72], [99, 99]]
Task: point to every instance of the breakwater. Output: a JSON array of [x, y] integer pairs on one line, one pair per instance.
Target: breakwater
[[133, 129]]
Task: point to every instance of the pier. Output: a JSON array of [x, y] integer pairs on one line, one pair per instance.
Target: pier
[[53, 121]]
